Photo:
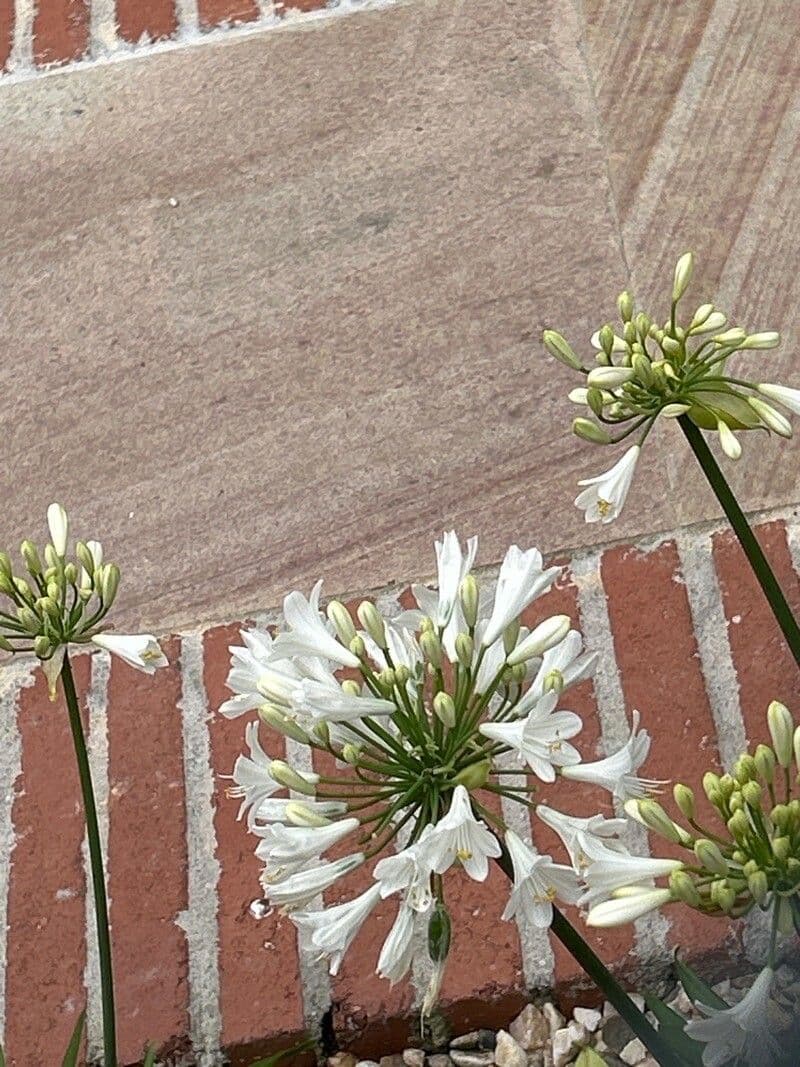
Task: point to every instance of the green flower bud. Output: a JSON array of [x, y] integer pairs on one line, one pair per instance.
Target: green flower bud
[[340, 617], [322, 732], [780, 816], [474, 775], [655, 818], [387, 678], [781, 729], [710, 781], [682, 276], [465, 649], [357, 646], [70, 574], [684, 798], [726, 786], [710, 857], [744, 770], [110, 583], [351, 687], [739, 857], [42, 647], [793, 868], [299, 814], [510, 636], [765, 763], [759, 886], [641, 368], [5, 644], [781, 847], [30, 557], [629, 334], [426, 624], [625, 305], [287, 776], [51, 557], [607, 338], [84, 557], [439, 931], [431, 648], [590, 431], [554, 681], [671, 347], [750, 867], [751, 791], [595, 399], [736, 801], [767, 339], [730, 337], [560, 349], [683, 888], [469, 593], [53, 590], [518, 672], [700, 315], [370, 619], [350, 753], [723, 895], [29, 619], [47, 606], [402, 675], [23, 589], [5, 565], [6, 584], [739, 826], [445, 709], [282, 724]]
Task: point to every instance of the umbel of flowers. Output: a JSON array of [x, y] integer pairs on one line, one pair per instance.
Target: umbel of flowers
[[645, 370], [442, 704]]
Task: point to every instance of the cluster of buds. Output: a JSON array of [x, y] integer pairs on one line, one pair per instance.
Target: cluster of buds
[[751, 860], [59, 601], [645, 370]]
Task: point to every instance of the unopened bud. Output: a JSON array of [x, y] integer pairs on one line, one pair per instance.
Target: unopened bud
[[654, 817], [595, 399], [759, 886], [739, 825], [29, 619], [322, 732], [350, 753], [465, 649], [445, 709], [767, 339], [351, 687], [553, 681], [370, 619], [745, 770], [625, 305], [609, 377], [510, 636], [781, 729], [5, 644], [684, 798], [469, 593], [683, 888], [402, 675], [30, 557], [780, 816], [771, 417], [764, 759], [342, 623], [726, 785], [700, 315], [606, 338], [726, 898], [545, 636], [299, 814], [781, 847], [674, 411], [728, 441], [387, 678], [671, 347], [439, 929], [287, 776], [85, 557], [560, 349], [710, 857], [47, 606], [51, 557], [5, 565], [640, 365], [281, 723], [630, 333], [734, 336], [70, 574], [53, 590], [431, 648], [682, 276], [474, 775], [110, 583], [42, 647], [751, 791], [736, 800], [590, 431], [518, 673], [357, 646], [23, 589]]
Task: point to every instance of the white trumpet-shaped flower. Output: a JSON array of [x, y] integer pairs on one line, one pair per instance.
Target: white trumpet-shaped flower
[[408, 871], [537, 883], [301, 888], [604, 876], [333, 929], [333, 704], [460, 836], [453, 565], [253, 782], [741, 1032], [562, 665], [604, 496], [627, 908], [307, 634], [58, 524], [585, 839], [520, 581], [397, 953], [283, 844], [789, 398], [141, 651], [540, 739], [248, 664], [617, 773]]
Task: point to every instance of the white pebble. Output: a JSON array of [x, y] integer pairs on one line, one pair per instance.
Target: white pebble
[[588, 1017], [633, 1053]]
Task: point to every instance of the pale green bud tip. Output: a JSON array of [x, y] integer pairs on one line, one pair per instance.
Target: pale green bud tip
[[299, 814], [682, 277], [58, 525], [625, 305], [42, 647], [781, 847], [710, 857], [767, 339], [609, 377], [5, 565], [370, 619], [764, 760], [281, 723], [683, 888], [30, 557], [469, 594], [445, 709], [655, 818], [759, 886], [771, 418], [560, 348], [465, 649], [734, 336], [474, 776], [684, 798], [350, 753], [285, 775], [728, 441], [751, 792], [351, 687], [431, 648], [590, 431], [357, 646], [781, 729], [343, 624], [545, 636], [110, 583]]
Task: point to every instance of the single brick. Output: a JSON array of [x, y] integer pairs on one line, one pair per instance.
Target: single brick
[[258, 963], [765, 667], [659, 665], [46, 900], [216, 12], [60, 31], [6, 31], [147, 854], [282, 6], [151, 19]]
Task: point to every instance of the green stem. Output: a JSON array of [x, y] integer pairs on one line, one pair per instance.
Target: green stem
[[605, 981], [98, 871], [747, 539]]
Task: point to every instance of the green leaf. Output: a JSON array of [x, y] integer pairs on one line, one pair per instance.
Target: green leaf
[[74, 1046], [696, 988], [282, 1057], [727, 405], [149, 1056], [589, 1058], [2, 1057], [671, 1024]]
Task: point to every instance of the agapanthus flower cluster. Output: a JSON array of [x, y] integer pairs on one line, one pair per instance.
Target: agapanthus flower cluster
[[60, 601], [430, 716], [749, 857], [644, 370]]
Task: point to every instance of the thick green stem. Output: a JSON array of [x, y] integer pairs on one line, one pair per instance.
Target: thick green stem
[[98, 871], [605, 981], [747, 539]]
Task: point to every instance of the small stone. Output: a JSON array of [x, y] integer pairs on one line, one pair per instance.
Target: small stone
[[588, 1017], [563, 1047], [536, 1058], [342, 1059], [414, 1057], [470, 1040], [471, 1059], [530, 1029], [367, 1063], [173, 201], [555, 1019], [507, 1052], [440, 1059], [391, 1061], [617, 1033], [680, 1002], [609, 1010], [633, 1053]]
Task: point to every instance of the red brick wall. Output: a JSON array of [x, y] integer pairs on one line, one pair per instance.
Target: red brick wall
[[690, 644]]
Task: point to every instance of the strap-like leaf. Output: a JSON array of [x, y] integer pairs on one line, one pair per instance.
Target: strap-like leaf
[[589, 1058], [74, 1046], [149, 1056], [671, 1023], [2, 1057], [281, 1057], [696, 988]]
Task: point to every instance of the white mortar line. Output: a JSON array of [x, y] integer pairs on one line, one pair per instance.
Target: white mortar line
[[14, 677], [711, 634], [97, 746], [199, 921], [20, 61], [652, 930], [793, 540], [103, 38], [188, 19]]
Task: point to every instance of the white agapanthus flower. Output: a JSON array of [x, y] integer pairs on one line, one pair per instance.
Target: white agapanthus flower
[[619, 871], [617, 772], [439, 705], [604, 496], [141, 651], [586, 839], [741, 1032]]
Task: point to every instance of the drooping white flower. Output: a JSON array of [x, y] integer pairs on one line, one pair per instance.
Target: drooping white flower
[[561, 666], [738, 1032], [520, 581], [333, 929], [537, 883], [280, 809], [604, 876], [453, 565], [285, 844], [460, 836], [51, 669], [409, 871], [253, 782], [604, 497], [334, 704], [248, 664], [541, 739], [301, 888], [307, 634], [627, 908], [585, 839], [141, 651], [58, 524], [397, 953], [790, 398], [617, 773]]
